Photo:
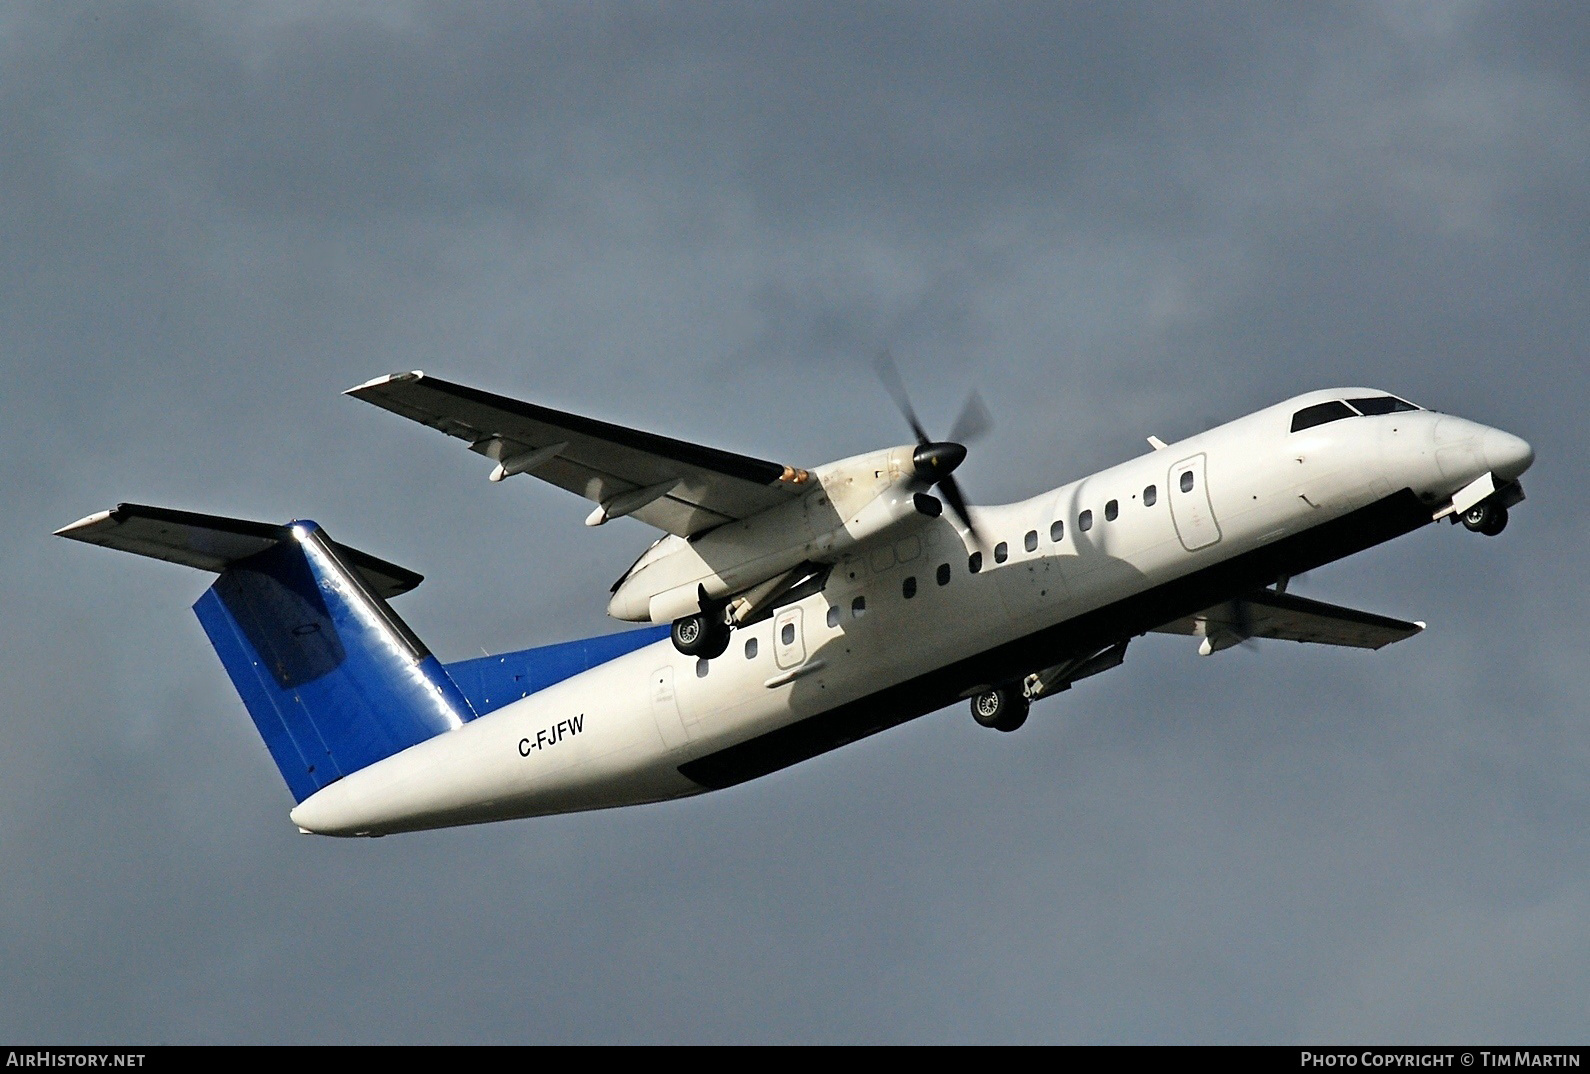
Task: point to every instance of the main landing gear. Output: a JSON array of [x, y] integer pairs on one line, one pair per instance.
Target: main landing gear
[[1488, 517], [1004, 708], [701, 635]]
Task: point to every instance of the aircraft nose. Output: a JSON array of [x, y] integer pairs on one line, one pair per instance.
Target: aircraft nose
[[1507, 455]]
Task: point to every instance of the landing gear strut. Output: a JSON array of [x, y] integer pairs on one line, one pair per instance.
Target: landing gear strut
[[1004, 708], [700, 635], [1488, 518]]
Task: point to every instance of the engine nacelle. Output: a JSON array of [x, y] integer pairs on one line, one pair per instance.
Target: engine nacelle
[[855, 501]]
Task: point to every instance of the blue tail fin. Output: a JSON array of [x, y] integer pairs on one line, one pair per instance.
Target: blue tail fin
[[333, 679]]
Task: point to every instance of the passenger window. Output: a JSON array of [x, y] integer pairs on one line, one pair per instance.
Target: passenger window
[[1111, 510], [750, 648], [833, 615], [908, 587], [1150, 494], [943, 575], [974, 562], [787, 635], [1319, 414], [1001, 552], [702, 667], [1381, 404], [1030, 542], [1057, 531], [858, 607], [1085, 521], [1186, 483]]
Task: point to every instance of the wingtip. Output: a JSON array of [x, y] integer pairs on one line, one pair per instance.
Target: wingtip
[[85, 523], [1421, 624], [390, 378]]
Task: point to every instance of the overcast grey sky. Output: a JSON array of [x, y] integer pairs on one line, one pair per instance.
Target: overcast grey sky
[[1113, 219]]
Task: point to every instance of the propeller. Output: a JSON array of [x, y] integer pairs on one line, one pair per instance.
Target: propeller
[[1243, 628], [1235, 629], [1243, 615], [935, 461]]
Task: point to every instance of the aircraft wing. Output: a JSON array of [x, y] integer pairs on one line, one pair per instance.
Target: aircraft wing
[[1268, 614], [679, 487]]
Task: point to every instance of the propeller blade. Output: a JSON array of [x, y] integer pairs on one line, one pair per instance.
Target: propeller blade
[[1243, 615], [974, 420], [894, 384], [935, 461], [1242, 618], [952, 496]]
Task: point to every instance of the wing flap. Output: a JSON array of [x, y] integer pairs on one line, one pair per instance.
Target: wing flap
[[213, 542], [593, 459], [1284, 617]]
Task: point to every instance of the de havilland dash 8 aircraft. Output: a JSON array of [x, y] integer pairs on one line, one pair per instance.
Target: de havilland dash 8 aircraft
[[794, 610]]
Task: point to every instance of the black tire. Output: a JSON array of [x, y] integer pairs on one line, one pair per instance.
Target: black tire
[[698, 636], [1003, 708], [1487, 518], [1016, 717]]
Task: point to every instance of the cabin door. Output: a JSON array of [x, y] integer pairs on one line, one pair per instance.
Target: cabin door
[[1190, 507], [789, 647], [665, 708]]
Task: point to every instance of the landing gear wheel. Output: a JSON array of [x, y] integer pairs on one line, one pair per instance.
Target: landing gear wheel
[[1487, 518], [1003, 708], [697, 635]]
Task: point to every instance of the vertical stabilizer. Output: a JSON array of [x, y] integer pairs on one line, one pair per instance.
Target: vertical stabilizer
[[333, 679]]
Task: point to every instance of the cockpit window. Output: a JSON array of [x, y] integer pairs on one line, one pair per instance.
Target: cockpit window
[[1381, 404], [1319, 414]]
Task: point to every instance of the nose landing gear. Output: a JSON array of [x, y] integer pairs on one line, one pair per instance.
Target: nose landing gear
[[1004, 708], [1487, 517]]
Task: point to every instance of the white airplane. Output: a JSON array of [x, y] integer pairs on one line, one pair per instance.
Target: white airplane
[[796, 610]]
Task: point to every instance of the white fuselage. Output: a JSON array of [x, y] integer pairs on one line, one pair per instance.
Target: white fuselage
[[619, 733]]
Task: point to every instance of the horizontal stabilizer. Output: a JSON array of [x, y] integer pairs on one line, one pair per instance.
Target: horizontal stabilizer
[[214, 543], [1282, 616]]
